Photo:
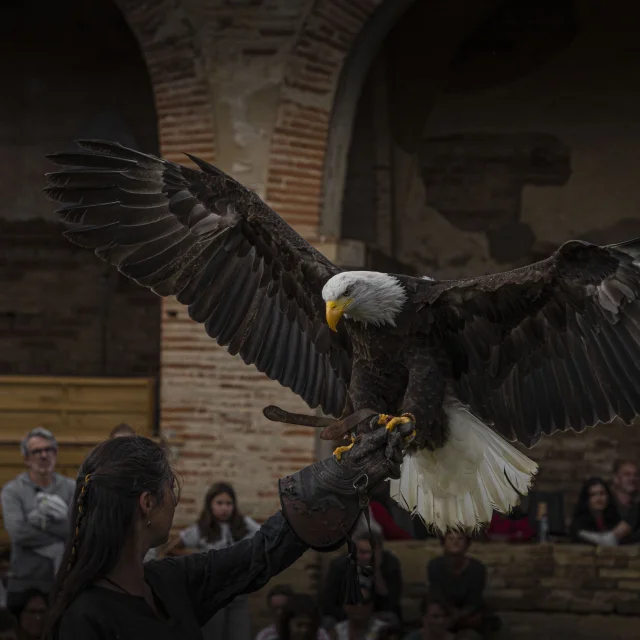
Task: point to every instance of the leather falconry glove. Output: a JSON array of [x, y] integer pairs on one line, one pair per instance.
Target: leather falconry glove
[[322, 502]]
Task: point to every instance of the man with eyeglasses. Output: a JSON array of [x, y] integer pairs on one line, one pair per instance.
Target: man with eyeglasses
[[35, 508]]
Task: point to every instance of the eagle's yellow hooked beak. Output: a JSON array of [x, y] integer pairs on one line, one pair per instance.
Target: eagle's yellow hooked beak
[[335, 309]]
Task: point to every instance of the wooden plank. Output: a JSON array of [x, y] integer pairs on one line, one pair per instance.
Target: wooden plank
[[81, 412], [74, 398]]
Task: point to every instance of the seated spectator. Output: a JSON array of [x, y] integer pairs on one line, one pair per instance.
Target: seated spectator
[[300, 620], [387, 581], [36, 516], [460, 582], [435, 621], [220, 525], [596, 519], [624, 487], [8, 626], [511, 529], [122, 430], [277, 598], [31, 614], [360, 623]]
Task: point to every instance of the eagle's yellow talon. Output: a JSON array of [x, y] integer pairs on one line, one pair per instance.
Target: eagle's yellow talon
[[341, 450], [403, 419], [383, 418], [411, 436]]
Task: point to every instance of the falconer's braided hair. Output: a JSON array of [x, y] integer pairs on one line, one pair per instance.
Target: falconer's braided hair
[[82, 509], [106, 501]]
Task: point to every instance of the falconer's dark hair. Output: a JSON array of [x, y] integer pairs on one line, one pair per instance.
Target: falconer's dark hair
[[208, 524], [108, 488]]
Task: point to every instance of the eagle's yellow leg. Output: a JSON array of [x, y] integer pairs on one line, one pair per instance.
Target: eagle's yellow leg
[[340, 450], [391, 422]]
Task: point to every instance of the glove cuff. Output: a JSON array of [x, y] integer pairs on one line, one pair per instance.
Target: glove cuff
[[321, 517]]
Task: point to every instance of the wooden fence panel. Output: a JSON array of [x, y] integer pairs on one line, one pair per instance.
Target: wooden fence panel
[[79, 411]]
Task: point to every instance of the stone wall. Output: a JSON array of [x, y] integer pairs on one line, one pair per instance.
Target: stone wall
[[545, 577], [554, 579]]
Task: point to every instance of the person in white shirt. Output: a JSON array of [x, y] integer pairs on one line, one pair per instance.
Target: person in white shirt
[[219, 526]]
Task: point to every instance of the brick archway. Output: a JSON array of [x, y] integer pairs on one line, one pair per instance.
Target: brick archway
[[176, 68], [313, 126]]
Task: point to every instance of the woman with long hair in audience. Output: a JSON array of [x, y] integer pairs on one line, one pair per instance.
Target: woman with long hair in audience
[[124, 502], [596, 519], [221, 524]]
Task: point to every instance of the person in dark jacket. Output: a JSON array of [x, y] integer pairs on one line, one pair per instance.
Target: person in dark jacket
[[460, 581], [387, 581], [124, 502]]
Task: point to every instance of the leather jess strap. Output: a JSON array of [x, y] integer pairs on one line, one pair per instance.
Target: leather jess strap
[[331, 429]]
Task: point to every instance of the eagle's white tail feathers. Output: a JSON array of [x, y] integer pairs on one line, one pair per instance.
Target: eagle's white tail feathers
[[459, 485]]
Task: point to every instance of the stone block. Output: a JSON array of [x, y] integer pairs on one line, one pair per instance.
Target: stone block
[[585, 602], [505, 598], [620, 573], [556, 583]]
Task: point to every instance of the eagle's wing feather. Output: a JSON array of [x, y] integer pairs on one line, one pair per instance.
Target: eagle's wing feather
[[551, 346], [241, 270]]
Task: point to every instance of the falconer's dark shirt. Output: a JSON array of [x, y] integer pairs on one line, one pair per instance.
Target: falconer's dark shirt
[[189, 590]]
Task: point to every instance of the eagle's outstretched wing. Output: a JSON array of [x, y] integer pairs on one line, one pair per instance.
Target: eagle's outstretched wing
[[201, 236], [555, 345]]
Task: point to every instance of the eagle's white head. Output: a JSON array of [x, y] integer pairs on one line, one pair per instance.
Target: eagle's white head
[[366, 296]]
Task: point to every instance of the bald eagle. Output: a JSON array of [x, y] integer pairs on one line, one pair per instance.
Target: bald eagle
[[474, 363]]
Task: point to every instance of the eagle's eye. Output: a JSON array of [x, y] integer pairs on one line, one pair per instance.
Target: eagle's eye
[[347, 291]]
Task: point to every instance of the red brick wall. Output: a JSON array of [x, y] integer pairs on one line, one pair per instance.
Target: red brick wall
[[298, 145], [170, 44]]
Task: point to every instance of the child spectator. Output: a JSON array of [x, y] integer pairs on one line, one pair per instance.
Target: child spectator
[[122, 430], [435, 621], [387, 581], [220, 525], [361, 624], [277, 598], [300, 620]]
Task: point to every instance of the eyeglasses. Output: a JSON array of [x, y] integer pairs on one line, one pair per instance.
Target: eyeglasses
[[46, 450]]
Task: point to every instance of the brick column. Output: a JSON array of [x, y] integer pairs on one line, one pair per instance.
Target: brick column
[[298, 146], [170, 46]]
